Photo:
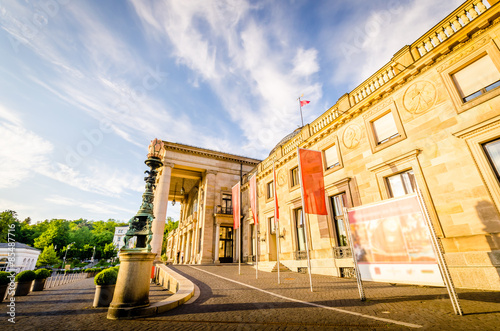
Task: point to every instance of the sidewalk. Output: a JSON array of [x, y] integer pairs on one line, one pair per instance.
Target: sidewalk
[[229, 301]]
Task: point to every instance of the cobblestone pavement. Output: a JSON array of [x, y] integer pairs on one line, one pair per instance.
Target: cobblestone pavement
[[229, 301]]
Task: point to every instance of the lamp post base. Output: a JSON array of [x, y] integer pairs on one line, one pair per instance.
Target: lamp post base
[[132, 286]]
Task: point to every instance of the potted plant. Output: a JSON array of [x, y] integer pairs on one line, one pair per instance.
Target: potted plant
[[24, 279], [105, 282], [41, 276], [4, 283]]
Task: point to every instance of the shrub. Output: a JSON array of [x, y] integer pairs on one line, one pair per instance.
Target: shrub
[[106, 277], [88, 270], [25, 276], [4, 277], [117, 268], [42, 273]]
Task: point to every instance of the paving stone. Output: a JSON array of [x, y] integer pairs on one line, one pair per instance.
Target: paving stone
[[225, 305]]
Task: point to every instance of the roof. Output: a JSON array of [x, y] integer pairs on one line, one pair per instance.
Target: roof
[[18, 245], [286, 139]]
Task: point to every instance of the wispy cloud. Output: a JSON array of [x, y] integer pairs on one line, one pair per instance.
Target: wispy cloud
[[255, 68]]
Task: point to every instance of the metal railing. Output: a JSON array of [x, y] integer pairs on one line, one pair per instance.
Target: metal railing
[[224, 210]]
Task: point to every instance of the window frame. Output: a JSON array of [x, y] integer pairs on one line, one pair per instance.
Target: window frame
[[338, 165], [301, 228], [475, 137], [269, 190], [376, 115], [338, 218], [292, 182], [413, 183], [456, 64]]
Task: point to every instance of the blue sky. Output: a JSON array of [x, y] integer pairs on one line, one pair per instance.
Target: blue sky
[[85, 85]]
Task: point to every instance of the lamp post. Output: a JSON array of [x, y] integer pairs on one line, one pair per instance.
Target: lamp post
[[132, 285], [65, 254]]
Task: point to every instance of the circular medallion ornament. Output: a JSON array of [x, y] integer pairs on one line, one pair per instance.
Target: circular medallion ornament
[[281, 177], [419, 97], [351, 136]]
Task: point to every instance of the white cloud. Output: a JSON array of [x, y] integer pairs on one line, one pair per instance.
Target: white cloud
[[97, 207], [254, 68], [22, 152]]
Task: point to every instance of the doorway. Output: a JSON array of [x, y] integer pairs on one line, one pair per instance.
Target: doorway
[[226, 244]]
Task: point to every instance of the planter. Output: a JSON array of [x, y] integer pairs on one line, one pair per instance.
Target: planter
[[23, 288], [39, 284], [3, 290], [103, 295]]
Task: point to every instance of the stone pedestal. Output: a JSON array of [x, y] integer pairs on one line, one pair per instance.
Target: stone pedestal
[[132, 286]]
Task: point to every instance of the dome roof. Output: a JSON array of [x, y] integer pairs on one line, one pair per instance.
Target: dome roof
[[286, 139]]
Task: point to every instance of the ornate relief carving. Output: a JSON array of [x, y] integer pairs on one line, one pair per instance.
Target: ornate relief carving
[[281, 177], [352, 136], [464, 53], [419, 97]]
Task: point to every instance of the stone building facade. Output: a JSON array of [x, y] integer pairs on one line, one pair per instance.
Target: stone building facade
[[428, 119]]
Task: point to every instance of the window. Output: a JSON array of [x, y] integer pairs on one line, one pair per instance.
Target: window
[[270, 190], [272, 225], [294, 174], [492, 150], [385, 128], [331, 157], [337, 203], [301, 234], [227, 203], [401, 184], [477, 78]]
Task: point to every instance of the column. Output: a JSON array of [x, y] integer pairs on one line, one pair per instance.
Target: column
[[207, 242], [216, 239], [188, 246], [160, 208]]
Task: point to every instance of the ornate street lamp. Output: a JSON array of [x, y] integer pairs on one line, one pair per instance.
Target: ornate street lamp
[[140, 225]]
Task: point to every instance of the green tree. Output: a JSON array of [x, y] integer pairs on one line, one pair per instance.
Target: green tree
[[7, 218], [110, 251], [57, 234], [48, 256], [169, 227]]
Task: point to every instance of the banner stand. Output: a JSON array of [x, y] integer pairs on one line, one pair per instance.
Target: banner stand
[[443, 268], [306, 228], [278, 249], [239, 250], [347, 226], [256, 253]]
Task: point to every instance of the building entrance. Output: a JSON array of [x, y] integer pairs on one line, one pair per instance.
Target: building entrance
[[226, 244]]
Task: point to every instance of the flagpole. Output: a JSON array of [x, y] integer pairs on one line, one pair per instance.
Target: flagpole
[[304, 221], [239, 250], [256, 239], [277, 223], [300, 106]]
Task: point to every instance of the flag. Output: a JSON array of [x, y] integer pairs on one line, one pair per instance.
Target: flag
[[276, 207], [253, 197], [236, 205], [304, 102], [313, 185]]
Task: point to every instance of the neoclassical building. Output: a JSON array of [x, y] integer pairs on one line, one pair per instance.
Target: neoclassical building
[[429, 118]]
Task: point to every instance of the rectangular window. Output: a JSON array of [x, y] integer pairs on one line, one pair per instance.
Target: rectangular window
[[337, 203], [270, 190], [301, 233], [385, 128], [493, 151], [477, 78], [252, 239], [227, 203], [331, 157], [294, 176], [401, 184], [272, 225]]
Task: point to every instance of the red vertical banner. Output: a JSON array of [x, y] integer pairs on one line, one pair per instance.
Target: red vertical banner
[[236, 205], [253, 197], [276, 207], [313, 185]]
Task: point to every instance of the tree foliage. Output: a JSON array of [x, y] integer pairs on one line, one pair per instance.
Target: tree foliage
[[54, 236]]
